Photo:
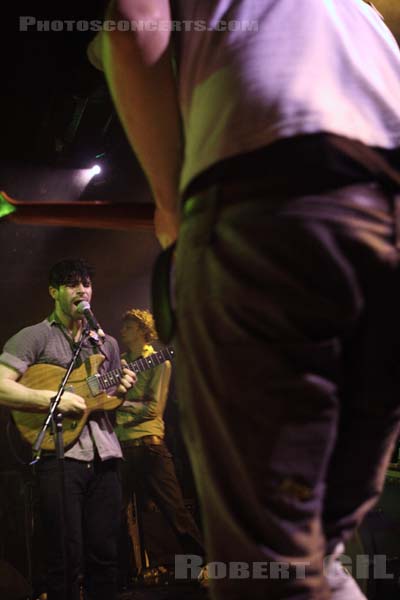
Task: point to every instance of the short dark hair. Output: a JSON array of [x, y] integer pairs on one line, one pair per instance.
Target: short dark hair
[[70, 271]]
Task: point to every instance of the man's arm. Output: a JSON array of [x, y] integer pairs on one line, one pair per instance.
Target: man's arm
[[18, 397], [144, 404], [139, 72]]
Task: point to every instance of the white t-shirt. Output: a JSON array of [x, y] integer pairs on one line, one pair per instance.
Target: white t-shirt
[[279, 68]]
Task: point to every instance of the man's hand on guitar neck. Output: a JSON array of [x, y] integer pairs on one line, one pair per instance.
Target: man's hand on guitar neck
[[127, 381]]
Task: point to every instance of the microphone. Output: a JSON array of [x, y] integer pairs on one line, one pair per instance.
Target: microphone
[[84, 309]]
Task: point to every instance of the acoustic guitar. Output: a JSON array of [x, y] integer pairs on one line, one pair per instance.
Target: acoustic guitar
[[84, 381]]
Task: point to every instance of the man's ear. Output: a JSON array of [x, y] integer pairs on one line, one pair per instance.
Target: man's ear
[[53, 292]]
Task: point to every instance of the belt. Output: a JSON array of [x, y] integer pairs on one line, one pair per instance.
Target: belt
[[146, 440], [365, 195]]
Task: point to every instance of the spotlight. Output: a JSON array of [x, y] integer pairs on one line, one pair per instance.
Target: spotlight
[[95, 170]]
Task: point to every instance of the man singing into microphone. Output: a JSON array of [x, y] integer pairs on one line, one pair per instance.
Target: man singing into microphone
[[91, 483]]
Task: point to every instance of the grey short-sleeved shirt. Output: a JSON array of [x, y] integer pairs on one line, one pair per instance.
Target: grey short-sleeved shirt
[[48, 343]]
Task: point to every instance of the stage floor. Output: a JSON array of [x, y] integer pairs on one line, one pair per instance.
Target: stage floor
[[166, 592]]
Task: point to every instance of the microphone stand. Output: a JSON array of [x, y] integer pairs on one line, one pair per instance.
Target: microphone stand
[[54, 419]]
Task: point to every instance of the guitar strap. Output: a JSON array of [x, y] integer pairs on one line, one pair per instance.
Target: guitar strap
[[93, 345]]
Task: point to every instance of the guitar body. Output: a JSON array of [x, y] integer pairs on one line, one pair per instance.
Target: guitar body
[[48, 377]]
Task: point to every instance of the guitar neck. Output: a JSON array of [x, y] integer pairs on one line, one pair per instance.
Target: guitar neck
[[112, 378]]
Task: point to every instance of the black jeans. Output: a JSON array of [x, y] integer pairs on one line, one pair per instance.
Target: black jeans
[[92, 521], [149, 471]]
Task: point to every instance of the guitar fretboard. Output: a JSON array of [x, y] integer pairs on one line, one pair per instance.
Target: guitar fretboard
[[112, 378]]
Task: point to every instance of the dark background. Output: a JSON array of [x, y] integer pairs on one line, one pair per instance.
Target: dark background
[[57, 120]]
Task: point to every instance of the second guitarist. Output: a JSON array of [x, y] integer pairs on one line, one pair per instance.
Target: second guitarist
[[93, 494], [148, 469]]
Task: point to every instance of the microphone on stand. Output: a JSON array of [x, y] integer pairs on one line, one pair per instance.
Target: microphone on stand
[[84, 309]]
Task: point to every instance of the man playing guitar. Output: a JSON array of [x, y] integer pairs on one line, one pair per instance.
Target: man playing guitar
[[91, 485]]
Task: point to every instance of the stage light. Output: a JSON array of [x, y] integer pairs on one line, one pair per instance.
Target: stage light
[[95, 173], [95, 170]]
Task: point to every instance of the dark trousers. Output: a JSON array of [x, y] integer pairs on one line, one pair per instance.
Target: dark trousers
[[287, 354], [92, 522], [149, 471]]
